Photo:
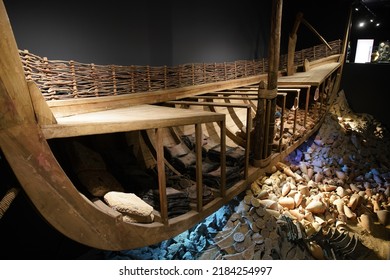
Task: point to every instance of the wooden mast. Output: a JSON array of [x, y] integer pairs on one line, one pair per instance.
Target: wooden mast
[[265, 114]]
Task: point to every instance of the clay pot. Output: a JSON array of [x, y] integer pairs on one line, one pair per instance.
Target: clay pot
[[287, 202], [310, 173], [328, 188], [297, 214], [286, 189], [328, 171], [318, 177], [375, 205], [298, 199], [269, 204], [341, 192], [316, 207], [354, 201], [263, 194], [303, 167], [365, 222], [304, 190], [316, 250], [255, 188], [349, 213], [339, 203], [383, 217], [341, 175]]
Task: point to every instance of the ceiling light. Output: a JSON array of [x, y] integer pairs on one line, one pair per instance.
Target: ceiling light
[[361, 24]]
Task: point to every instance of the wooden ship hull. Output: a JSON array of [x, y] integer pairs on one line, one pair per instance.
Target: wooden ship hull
[[155, 107]]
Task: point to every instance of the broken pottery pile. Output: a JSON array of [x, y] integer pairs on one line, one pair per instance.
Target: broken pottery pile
[[337, 179]]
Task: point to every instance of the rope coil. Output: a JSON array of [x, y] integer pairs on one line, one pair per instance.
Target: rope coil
[[8, 198]]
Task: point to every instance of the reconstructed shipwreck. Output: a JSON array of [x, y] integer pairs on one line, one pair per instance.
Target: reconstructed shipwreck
[[189, 138]]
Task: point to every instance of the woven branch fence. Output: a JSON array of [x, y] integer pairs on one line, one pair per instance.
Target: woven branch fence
[[59, 79]]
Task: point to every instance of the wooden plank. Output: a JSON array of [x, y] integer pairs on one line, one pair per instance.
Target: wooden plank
[[222, 97], [314, 77], [70, 107], [126, 119], [107, 209]]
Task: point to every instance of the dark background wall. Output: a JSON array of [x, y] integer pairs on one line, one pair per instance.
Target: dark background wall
[[366, 87], [167, 32], [141, 32]]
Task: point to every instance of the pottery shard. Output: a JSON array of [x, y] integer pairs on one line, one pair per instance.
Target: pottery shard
[[128, 203]]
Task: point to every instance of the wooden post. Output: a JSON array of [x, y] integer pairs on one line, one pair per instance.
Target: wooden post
[[215, 72], [93, 77], [199, 175], [161, 176], [223, 158], [148, 77], [165, 77], [282, 122], [292, 41], [113, 79], [193, 74], [225, 70], [132, 78], [264, 135], [204, 73], [306, 105], [258, 135], [74, 81]]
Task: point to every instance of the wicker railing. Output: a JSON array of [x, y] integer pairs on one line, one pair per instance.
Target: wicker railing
[[70, 79]]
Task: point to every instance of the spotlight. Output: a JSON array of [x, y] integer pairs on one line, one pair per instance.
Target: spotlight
[[361, 24], [371, 20], [377, 24], [356, 9]]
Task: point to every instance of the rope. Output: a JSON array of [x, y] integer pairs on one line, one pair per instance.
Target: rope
[[7, 200]]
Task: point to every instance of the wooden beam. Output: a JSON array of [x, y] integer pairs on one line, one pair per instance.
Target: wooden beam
[[15, 102], [265, 114], [43, 114]]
